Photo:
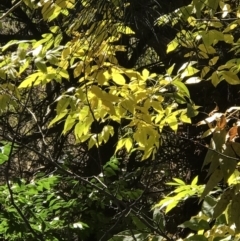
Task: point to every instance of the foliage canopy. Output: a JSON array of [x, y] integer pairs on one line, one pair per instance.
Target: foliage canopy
[[116, 116]]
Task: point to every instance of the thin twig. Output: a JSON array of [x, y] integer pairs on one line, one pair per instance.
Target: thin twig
[[11, 10], [13, 142], [205, 146]]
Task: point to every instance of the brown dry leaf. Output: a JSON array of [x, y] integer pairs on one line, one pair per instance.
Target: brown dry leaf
[[222, 122], [233, 132]]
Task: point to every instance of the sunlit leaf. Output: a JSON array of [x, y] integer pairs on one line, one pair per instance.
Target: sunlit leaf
[[118, 79]]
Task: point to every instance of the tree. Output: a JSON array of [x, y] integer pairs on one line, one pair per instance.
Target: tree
[[96, 117]]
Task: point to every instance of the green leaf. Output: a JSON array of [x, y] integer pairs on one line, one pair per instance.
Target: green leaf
[[208, 204], [158, 238], [192, 110], [40, 65], [13, 42], [222, 204], [230, 77], [227, 164], [212, 183], [207, 49], [234, 211], [212, 37], [217, 142], [179, 181], [159, 218], [195, 224], [3, 158], [181, 87], [196, 238], [213, 61], [194, 181], [130, 235]]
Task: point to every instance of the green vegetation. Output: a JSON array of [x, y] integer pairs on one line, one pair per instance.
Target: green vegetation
[[119, 120]]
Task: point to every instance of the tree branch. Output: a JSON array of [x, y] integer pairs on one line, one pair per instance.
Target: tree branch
[[11, 10]]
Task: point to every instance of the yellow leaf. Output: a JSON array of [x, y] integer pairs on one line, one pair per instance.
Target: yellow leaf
[[118, 79], [30, 80], [54, 29], [128, 144], [97, 91], [63, 64], [62, 104], [79, 129], [192, 21], [179, 181], [120, 144], [124, 29], [184, 118], [194, 181], [172, 46], [204, 71], [171, 206], [29, 3], [228, 38], [215, 79], [145, 74], [58, 117], [64, 73], [170, 70], [106, 132], [92, 141], [213, 61], [189, 71], [207, 49], [69, 123], [133, 75], [148, 151], [102, 77], [202, 55], [78, 70], [65, 53], [65, 3], [108, 108], [128, 105], [230, 27], [172, 122]]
